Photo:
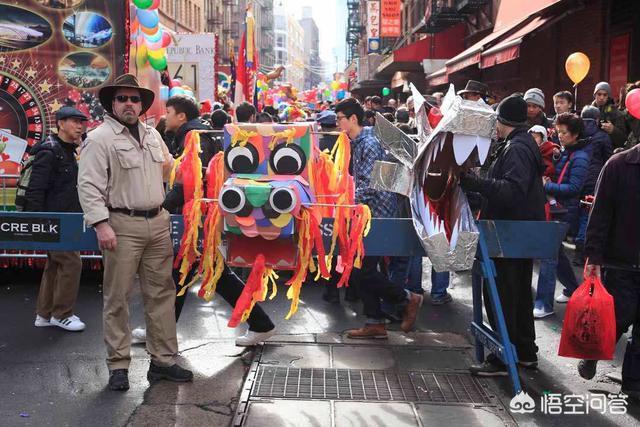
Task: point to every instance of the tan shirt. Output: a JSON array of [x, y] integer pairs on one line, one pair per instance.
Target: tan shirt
[[117, 172]]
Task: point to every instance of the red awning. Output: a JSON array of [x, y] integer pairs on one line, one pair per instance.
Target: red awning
[[438, 78], [509, 48], [518, 21]]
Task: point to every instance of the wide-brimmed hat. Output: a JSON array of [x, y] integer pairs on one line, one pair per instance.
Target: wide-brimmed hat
[[106, 93], [474, 86]]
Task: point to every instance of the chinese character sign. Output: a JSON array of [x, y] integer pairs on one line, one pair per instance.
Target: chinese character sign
[[390, 23], [373, 25]]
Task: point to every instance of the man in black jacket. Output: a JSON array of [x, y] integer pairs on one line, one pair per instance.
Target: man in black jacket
[[183, 117], [53, 188], [512, 191], [613, 246]]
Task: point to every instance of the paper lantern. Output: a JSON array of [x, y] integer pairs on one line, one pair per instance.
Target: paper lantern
[[386, 91], [577, 66], [143, 4], [148, 18], [158, 64], [632, 102]]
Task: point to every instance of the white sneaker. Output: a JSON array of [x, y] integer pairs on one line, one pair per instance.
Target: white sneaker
[[41, 322], [139, 335], [562, 299], [71, 323], [540, 313], [254, 338]]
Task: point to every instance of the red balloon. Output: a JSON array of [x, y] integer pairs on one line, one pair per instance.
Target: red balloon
[[166, 39], [154, 5], [632, 102], [175, 83]]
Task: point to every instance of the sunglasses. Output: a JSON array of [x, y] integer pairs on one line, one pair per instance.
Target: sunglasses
[[124, 98]]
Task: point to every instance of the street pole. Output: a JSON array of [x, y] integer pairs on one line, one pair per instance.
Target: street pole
[[175, 15]]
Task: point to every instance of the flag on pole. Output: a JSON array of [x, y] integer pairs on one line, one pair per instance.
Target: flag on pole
[[247, 62]]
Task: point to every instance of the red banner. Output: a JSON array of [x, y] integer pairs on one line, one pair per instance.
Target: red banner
[[390, 21], [619, 62]]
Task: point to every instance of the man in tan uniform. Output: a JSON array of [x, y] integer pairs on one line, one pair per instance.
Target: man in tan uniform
[[120, 184]]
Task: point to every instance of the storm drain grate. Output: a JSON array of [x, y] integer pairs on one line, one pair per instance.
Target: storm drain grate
[[355, 384]]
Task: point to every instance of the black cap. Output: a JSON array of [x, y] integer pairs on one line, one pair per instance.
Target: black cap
[[70, 113], [512, 111]]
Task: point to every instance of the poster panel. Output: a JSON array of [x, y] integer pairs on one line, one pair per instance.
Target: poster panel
[[55, 53]]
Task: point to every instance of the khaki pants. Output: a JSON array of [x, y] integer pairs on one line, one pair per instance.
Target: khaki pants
[[143, 247], [59, 285]]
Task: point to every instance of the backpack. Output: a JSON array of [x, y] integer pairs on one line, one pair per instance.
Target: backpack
[[26, 167]]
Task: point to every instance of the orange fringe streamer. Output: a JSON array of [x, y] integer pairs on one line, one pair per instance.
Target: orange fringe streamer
[[190, 167], [212, 261], [255, 290]]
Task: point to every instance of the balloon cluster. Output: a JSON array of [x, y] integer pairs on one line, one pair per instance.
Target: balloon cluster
[[150, 40], [334, 91]]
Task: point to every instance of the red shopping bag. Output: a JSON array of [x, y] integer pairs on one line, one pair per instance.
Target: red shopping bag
[[589, 328]]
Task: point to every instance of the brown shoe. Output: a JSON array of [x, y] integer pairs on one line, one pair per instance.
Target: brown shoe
[[368, 331], [411, 312]]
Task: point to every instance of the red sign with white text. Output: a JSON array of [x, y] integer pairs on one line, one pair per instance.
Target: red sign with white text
[[390, 21], [619, 62]]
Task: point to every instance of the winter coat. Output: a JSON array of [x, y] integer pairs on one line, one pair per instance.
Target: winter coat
[[632, 129], [513, 187], [53, 186], [210, 145], [568, 192], [613, 233], [541, 120], [600, 150], [546, 150], [610, 113]]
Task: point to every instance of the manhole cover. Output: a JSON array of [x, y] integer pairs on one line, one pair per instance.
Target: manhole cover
[[356, 384]]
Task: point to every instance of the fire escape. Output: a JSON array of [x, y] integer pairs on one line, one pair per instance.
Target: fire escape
[[354, 29], [442, 14]]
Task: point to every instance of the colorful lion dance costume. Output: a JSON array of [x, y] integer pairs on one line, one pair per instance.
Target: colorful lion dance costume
[[266, 196]]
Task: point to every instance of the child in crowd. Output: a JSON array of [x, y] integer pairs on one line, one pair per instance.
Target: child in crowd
[[549, 151]]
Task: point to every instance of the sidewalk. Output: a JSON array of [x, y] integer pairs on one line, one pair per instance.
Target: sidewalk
[[52, 377]]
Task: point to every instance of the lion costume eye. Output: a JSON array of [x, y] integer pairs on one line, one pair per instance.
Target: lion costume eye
[[241, 159], [233, 201], [282, 200], [288, 159]]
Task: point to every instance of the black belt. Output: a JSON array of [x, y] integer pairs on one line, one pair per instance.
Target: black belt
[[134, 212]]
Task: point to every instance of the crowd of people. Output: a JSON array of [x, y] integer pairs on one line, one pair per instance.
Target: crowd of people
[[540, 168]]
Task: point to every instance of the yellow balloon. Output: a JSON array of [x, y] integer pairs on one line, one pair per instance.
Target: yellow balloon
[[577, 66], [157, 54], [141, 56]]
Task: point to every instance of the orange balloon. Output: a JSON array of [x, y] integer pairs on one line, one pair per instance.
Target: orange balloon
[[149, 31], [577, 66]]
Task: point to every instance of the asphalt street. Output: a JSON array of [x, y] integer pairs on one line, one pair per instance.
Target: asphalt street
[[57, 378]]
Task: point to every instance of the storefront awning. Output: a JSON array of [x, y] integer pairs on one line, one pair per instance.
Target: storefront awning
[[438, 78], [516, 22], [509, 48]]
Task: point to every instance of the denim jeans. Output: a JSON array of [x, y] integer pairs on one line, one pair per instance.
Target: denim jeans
[[583, 218], [407, 272], [439, 283], [549, 270]]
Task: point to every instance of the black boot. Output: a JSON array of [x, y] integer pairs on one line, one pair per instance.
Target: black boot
[[119, 380], [171, 373]]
